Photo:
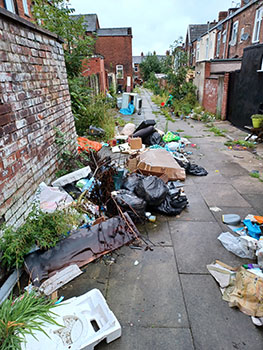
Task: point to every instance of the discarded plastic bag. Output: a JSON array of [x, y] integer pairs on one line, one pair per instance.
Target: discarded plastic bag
[[131, 204], [192, 169], [130, 182], [52, 198], [152, 189], [154, 139], [86, 144], [236, 246], [144, 133], [173, 204], [144, 124], [170, 136], [128, 129]]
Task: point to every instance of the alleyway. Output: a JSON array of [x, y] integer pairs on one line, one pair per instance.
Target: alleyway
[[169, 301]]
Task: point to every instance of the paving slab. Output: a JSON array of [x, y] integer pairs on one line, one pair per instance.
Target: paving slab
[[149, 292], [157, 233], [256, 201], [197, 209], [141, 338], [196, 245], [223, 195], [247, 185], [214, 324], [95, 275]]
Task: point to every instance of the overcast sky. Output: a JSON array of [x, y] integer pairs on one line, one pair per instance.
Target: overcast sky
[[156, 24]]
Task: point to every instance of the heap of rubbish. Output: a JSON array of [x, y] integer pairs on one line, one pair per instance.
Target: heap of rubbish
[[124, 182], [242, 286]]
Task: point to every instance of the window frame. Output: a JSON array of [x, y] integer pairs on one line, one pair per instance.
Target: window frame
[[234, 33], [218, 43], [257, 25], [206, 48], [118, 68], [26, 8], [197, 50], [224, 35], [10, 6], [136, 69]]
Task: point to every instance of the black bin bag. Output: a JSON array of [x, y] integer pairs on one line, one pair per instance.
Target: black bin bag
[[131, 204], [152, 189]]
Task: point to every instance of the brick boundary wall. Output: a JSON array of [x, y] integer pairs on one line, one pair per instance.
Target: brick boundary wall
[[34, 98]]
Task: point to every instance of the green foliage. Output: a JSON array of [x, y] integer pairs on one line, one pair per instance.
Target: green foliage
[[242, 143], [57, 17], [255, 175], [149, 65], [42, 229], [23, 316], [217, 131]]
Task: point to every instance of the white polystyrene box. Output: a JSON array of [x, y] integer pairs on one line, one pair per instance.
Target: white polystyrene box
[[76, 314]]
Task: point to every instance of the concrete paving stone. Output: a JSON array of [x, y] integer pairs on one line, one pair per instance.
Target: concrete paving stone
[[149, 292], [214, 324], [156, 233], [256, 201], [230, 169], [197, 209], [95, 275], [196, 245], [222, 195], [247, 185], [141, 338], [212, 177]]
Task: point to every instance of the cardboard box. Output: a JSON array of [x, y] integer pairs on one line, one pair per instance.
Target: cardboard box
[[132, 164], [136, 143]]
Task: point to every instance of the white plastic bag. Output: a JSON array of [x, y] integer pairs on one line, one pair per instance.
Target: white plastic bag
[[52, 198], [236, 246]]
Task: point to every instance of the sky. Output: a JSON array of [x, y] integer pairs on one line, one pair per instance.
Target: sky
[[156, 24]]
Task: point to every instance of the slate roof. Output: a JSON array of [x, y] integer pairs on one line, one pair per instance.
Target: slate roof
[[195, 31], [90, 21], [127, 31]]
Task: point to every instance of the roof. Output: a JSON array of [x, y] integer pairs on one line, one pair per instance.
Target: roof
[[140, 59], [126, 31], [195, 31], [90, 21]]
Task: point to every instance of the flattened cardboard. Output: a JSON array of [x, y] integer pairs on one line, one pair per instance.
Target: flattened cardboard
[[158, 162]]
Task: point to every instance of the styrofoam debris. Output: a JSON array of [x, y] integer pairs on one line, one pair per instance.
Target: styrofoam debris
[[87, 321]]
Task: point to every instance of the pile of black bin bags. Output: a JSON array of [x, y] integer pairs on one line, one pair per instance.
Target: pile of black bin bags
[[140, 193]]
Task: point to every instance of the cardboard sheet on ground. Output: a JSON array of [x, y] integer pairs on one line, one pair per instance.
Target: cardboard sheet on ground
[[158, 162], [82, 247]]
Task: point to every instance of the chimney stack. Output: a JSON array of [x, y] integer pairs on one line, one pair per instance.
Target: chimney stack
[[222, 15], [142, 54]]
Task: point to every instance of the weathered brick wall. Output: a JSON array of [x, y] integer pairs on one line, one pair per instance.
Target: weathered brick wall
[[34, 98], [210, 95], [116, 50]]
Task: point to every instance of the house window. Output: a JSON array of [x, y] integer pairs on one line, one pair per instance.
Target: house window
[[242, 34], [218, 44], [234, 34], [10, 6], [135, 68], [206, 48], [197, 51], [119, 71], [25, 5], [257, 25], [224, 37]]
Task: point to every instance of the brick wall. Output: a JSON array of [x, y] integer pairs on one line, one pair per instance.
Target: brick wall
[[20, 8], [116, 50], [95, 65], [210, 95], [34, 98]]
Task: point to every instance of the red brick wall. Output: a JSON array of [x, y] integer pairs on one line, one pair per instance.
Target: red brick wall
[[34, 98], [225, 95], [20, 8], [116, 50], [95, 65], [210, 95], [246, 20]]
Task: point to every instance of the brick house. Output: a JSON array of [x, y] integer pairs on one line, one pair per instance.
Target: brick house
[[34, 98], [22, 8], [194, 32], [115, 45], [236, 30]]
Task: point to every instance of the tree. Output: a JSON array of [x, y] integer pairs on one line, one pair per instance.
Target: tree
[[57, 18], [151, 64]]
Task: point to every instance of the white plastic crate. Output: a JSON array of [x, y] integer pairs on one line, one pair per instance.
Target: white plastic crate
[[87, 321]]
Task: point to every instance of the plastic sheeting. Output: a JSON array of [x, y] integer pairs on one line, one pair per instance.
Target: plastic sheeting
[[82, 247], [129, 110]]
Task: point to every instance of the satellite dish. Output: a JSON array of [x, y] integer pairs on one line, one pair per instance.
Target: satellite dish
[[244, 36]]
